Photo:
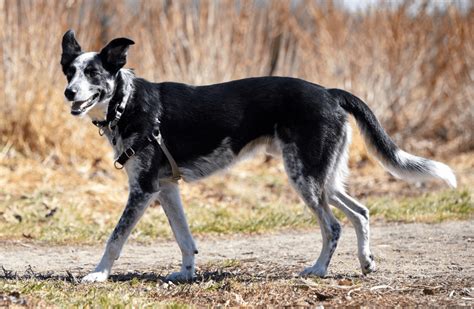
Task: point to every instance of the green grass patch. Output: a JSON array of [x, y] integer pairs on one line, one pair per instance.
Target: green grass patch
[[37, 293], [428, 208], [50, 216]]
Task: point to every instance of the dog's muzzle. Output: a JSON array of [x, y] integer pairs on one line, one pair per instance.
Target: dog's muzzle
[[78, 107]]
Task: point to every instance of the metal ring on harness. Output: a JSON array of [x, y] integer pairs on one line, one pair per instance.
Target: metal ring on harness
[[117, 165], [155, 133]]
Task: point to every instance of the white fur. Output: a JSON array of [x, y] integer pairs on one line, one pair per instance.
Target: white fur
[[358, 214], [171, 202], [431, 169], [85, 90], [337, 178], [79, 80]]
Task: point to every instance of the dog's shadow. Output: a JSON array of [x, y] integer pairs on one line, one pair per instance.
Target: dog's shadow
[[30, 274], [201, 277], [205, 276]]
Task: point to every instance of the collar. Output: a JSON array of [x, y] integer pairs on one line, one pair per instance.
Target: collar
[[116, 106]]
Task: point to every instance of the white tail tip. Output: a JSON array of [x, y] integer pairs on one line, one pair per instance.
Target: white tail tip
[[444, 172], [427, 169]]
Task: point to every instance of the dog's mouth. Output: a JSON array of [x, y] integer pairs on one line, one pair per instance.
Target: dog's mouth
[[79, 107]]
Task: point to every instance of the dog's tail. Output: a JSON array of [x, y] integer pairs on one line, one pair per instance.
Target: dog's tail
[[398, 162]]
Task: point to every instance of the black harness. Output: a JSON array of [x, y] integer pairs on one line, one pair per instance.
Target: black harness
[[114, 113]]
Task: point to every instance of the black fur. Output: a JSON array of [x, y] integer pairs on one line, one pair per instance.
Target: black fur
[[379, 139], [71, 49], [114, 55], [195, 120]]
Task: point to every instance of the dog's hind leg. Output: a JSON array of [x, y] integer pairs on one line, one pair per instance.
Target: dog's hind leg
[[330, 231], [358, 214], [136, 205], [171, 202], [311, 189]]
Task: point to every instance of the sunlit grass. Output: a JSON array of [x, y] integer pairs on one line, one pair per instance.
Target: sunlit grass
[[61, 293], [431, 208], [252, 198]]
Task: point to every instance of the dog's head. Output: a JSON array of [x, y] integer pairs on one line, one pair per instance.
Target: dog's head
[[91, 76]]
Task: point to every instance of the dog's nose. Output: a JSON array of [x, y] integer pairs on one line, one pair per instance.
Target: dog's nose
[[70, 93]]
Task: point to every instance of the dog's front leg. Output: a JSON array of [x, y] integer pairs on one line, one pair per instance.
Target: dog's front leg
[[136, 205], [173, 208]]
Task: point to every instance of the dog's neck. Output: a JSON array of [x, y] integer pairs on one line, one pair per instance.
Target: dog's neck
[[122, 91]]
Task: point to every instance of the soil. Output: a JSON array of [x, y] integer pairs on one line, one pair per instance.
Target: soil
[[429, 264]]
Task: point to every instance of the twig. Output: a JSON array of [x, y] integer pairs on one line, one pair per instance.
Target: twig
[[378, 287], [71, 277], [353, 290]]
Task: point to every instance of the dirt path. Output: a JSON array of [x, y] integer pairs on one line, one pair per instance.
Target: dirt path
[[437, 259]]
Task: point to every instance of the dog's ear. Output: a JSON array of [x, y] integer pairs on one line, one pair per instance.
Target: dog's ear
[[114, 55], [71, 49]]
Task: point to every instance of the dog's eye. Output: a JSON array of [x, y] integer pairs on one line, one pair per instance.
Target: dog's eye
[[92, 73]]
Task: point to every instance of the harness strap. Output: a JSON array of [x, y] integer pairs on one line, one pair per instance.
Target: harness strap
[[114, 111], [176, 175], [113, 116], [130, 152], [141, 144]]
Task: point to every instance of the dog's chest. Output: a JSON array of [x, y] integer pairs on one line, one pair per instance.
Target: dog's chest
[[116, 141]]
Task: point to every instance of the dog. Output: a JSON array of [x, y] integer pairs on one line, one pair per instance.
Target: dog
[[161, 132]]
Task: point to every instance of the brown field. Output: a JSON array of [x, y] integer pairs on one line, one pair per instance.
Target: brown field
[[57, 183], [416, 72]]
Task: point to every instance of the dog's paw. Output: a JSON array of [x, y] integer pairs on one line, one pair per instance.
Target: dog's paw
[[95, 277], [314, 271], [181, 276], [368, 266]]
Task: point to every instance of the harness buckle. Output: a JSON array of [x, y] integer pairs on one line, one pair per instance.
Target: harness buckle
[[129, 152], [119, 109]]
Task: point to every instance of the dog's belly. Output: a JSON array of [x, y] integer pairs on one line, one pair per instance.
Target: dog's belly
[[223, 157]]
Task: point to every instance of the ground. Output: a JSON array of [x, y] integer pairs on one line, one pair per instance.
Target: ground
[[428, 264], [254, 237]]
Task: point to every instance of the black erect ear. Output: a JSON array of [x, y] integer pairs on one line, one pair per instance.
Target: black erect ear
[[114, 55], [71, 49]]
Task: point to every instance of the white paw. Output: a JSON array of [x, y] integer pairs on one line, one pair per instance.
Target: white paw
[[95, 277], [181, 276], [314, 271], [368, 266]]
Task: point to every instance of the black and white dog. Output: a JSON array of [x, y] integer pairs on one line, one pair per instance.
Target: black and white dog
[[160, 131]]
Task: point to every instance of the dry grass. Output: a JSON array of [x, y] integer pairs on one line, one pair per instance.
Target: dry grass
[[415, 71], [69, 205], [236, 284]]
